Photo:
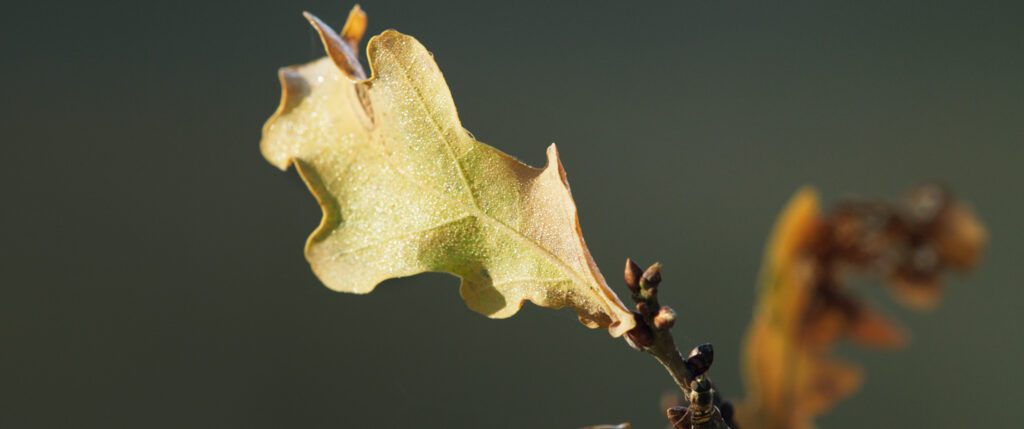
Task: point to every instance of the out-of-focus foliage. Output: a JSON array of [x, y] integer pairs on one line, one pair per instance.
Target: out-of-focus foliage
[[805, 309]]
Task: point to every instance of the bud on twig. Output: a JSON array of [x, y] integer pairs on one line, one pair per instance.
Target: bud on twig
[[652, 277], [643, 308], [652, 335], [640, 337], [632, 276], [665, 318], [701, 358]]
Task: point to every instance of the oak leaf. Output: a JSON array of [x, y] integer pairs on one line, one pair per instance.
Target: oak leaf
[[806, 306], [790, 373], [404, 189]]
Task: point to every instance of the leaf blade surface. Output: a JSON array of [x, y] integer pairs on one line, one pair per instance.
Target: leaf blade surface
[[405, 189]]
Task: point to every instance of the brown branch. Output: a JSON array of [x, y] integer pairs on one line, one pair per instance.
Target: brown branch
[[652, 334]]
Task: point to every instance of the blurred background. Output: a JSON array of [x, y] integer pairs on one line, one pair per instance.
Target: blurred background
[[152, 260]]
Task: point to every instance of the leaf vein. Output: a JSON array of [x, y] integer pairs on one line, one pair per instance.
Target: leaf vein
[[444, 137], [475, 207]]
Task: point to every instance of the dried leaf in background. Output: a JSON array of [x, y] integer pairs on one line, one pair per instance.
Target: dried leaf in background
[[805, 308]]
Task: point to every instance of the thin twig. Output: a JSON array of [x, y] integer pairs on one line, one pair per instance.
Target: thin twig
[[653, 335]]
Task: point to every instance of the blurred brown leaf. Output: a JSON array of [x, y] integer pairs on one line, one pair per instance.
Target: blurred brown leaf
[[804, 308]]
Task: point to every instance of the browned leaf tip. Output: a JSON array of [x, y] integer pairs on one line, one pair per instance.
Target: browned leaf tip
[[343, 50], [355, 27]]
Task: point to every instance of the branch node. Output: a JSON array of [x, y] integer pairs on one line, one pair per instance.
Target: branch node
[[653, 335]]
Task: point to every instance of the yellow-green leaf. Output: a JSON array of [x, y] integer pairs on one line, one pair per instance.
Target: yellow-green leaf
[[405, 189]]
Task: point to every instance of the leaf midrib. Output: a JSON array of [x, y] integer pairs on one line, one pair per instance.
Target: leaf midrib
[[475, 210]]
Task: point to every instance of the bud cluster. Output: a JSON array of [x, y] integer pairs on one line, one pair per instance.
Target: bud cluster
[[649, 315], [652, 335]]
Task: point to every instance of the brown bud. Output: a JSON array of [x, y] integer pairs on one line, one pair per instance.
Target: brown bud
[[632, 276], [706, 350], [700, 359], [641, 336], [665, 318], [651, 277], [643, 308]]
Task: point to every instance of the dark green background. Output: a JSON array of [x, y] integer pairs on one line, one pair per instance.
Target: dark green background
[[152, 261]]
